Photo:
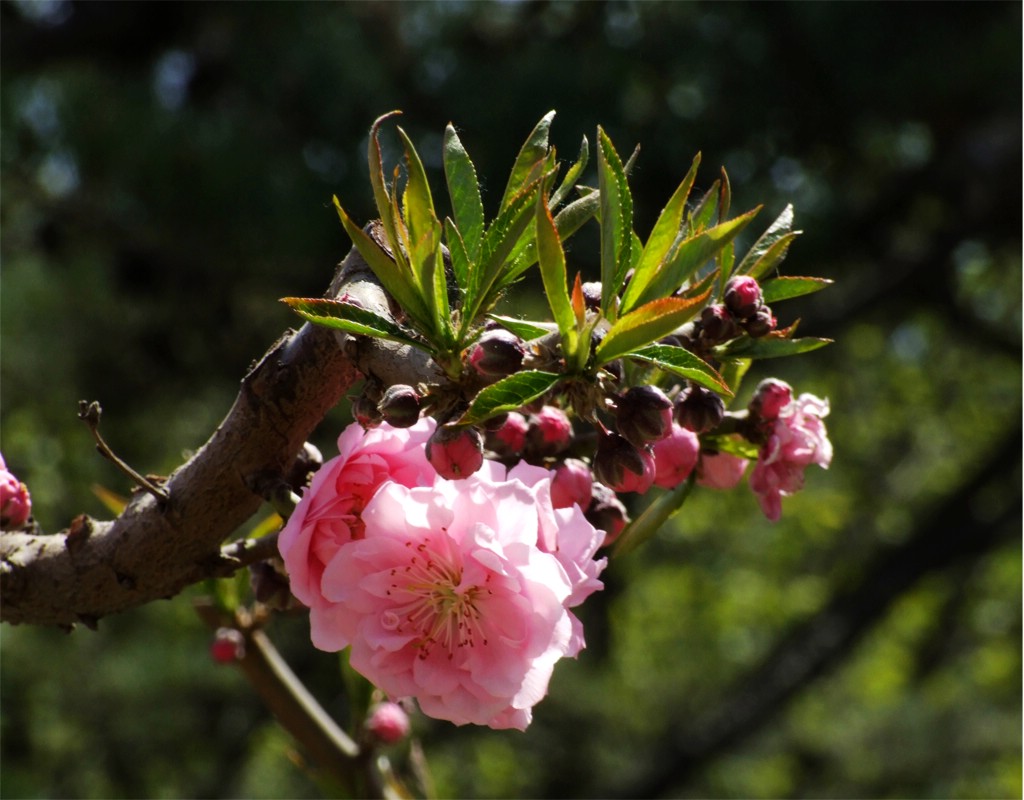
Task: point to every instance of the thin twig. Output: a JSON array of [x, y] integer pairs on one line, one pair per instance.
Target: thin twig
[[90, 414]]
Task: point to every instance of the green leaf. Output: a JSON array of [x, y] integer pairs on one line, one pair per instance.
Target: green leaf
[[388, 271], [522, 328], [572, 175], [680, 361], [727, 256], [508, 394], [380, 189], [349, 318], [706, 209], [553, 274], [768, 347], [646, 324], [785, 288], [734, 445], [693, 253], [457, 251], [464, 191], [771, 247], [659, 243], [534, 149], [616, 206], [653, 517]]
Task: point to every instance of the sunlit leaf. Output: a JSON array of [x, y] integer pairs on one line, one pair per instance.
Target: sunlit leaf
[[553, 274], [522, 328], [771, 247], [381, 194], [534, 149], [464, 191], [349, 318], [616, 208], [572, 175], [691, 254], [457, 251], [509, 394], [680, 361], [646, 324], [791, 286], [659, 243], [387, 271], [769, 347], [706, 211]]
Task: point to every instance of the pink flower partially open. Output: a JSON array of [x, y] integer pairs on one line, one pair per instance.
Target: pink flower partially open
[[798, 439], [458, 593], [15, 501], [328, 515]]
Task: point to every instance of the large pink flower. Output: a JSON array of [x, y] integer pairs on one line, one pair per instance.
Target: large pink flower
[[455, 596], [798, 439], [328, 515]]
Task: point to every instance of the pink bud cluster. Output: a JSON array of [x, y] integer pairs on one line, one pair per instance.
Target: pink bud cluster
[[15, 501]]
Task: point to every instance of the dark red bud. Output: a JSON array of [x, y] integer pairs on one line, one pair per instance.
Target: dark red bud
[[606, 513], [550, 431], [718, 324], [455, 451], [621, 466], [742, 296], [699, 409], [761, 323], [497, 353], [509, 438], [643, 414], [228, 645], [400, 406]]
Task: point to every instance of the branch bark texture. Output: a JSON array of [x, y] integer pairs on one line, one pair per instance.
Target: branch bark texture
[[155, 549]]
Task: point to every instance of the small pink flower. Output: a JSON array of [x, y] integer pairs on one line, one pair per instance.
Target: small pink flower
[[510, 438], [770, 397], [572, 483], [328, 515], [742, 296], [675, 457], [15, 501], [387, 723], [455, 452], [449, 599], [550, 431], [798, 439], [720, 470]]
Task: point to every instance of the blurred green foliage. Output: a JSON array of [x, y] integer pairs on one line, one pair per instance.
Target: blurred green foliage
[[166, 176]]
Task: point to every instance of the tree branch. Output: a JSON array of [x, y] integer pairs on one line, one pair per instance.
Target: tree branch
[[154, 550]]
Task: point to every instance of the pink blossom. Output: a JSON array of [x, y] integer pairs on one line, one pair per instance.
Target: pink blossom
[[15, 501], [387, 722], [675, 457], [328, 515], [770, 397], [572, 483], [550, 430], [798, 439], [455, 597], [455, 451], [720, 470]]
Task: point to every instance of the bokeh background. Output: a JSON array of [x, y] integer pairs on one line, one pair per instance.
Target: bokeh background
[[166, 176]]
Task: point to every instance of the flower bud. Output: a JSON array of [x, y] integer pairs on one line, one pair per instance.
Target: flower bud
[[400, 406], [497, 353], [308, 461], [720, 470], [387, 723], [643, 414], [228, 646], [770, 397], [15, 501], [675, 457], [742, 296], [592, 295], [761, 323], [621, 466], [718, 324], [365, 410], [573, 483], [699, 409], [455, 451], [509, 439], [550, 431], [607, 513]]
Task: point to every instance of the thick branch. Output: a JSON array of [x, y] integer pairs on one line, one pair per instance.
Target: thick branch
[[154, 550]]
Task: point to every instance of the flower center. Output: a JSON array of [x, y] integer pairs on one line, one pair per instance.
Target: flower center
[[432, 601]]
